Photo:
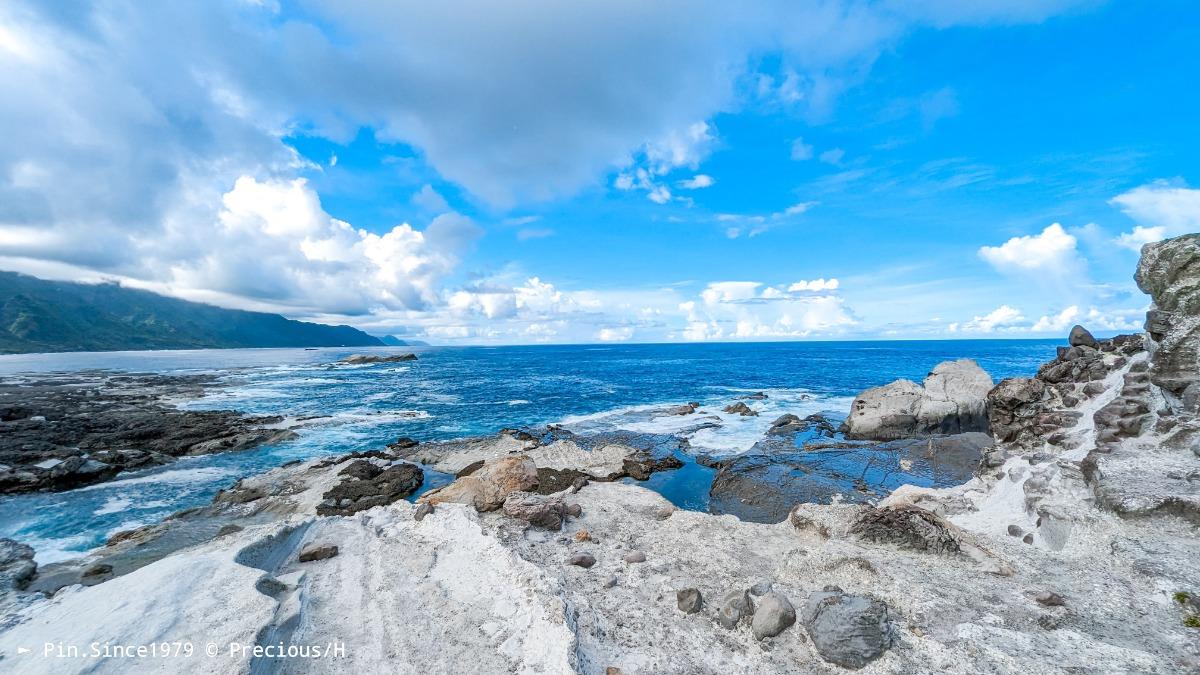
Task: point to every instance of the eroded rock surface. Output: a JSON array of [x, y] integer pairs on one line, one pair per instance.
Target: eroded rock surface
[[952, 400]]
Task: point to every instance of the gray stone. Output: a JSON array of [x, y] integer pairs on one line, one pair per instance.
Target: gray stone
[[582, 559], [735, 606], [423, 510], [773, 616], [1050, 599], [761, 588], [848, 630], [546, 513], [1015, 531], [689, 600], [1080, 337], [314, 552], [635, 557]]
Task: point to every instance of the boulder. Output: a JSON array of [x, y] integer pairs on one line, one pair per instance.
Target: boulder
[[541, 512], [1080, 337], [773, 615], [689, 600], [847, 630], [909, 527], [314, 552], [735, 606], [366, 485], [952, 400], [740, 408], [584, 560], [17, 567], [487, 488]]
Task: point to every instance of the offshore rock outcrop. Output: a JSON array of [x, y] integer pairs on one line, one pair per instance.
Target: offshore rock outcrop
[[952, 400], [59, 432]]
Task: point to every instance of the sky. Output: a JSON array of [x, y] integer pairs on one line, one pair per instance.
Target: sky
[[469, 172]]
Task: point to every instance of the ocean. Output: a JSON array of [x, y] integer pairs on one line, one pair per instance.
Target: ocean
[[452, 392]]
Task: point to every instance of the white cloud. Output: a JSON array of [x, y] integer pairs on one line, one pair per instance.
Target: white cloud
[[1001, 317], [697, 182], [619, 334], [814, 285], [1051, 252], [801, 151], [1161, 209], [1057, 323], [429, 199]]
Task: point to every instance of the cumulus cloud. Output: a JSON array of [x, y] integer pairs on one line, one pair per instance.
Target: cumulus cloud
[[1051, 252], [697, 182], [1001, 317], [1161, 210], [1058, 322]]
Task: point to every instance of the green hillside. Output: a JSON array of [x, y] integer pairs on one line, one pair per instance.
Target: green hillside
[[52, 316]]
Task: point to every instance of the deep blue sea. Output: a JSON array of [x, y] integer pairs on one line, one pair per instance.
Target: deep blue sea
[[455, 392]]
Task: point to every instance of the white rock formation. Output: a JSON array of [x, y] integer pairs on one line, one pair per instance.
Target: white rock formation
[[953, 400]]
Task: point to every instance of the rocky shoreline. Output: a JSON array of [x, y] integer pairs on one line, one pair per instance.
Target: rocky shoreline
[[1069, 546], [59, 432]]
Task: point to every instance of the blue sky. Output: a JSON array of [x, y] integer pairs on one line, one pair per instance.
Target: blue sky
[[545, 172]]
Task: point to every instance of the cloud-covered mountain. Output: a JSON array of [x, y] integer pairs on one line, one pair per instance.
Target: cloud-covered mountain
[[49, 316]]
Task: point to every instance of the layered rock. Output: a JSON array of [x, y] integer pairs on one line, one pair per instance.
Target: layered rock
[[1169, 271], [952, 400]]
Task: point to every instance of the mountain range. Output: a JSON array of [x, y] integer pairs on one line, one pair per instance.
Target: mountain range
[[37, 315]]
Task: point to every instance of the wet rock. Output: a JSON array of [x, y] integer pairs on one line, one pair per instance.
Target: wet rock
[[1028, 539], [689, 600], [740, 408], [773, 615], [314, 552], [422, 510], [756, 396], [641, 465], [487, 488], [764, 487], [360, 359], [680, 410], [735, 606], [634, 557], [403, 443], [574, 510], [366, 486], [229, 529], [1015, 531], [59, 436], [584, 560], [17, 566]]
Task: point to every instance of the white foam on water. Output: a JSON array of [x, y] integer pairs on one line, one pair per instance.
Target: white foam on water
[[113, 505], [169, 477], [733, 433]]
